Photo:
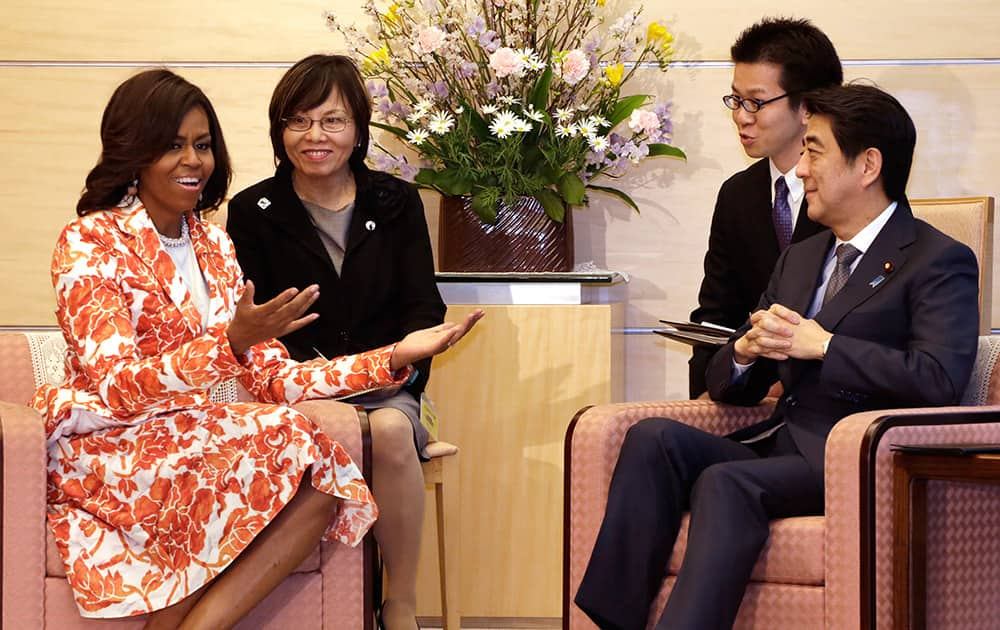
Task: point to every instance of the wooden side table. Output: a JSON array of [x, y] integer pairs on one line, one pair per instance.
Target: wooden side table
[[912, 469]]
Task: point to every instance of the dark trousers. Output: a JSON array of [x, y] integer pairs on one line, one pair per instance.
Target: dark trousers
[[732, 490]]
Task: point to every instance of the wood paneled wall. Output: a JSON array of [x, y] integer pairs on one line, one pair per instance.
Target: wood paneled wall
[[60, 61]]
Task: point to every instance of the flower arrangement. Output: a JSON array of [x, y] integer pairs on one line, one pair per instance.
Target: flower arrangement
[[509, 98]]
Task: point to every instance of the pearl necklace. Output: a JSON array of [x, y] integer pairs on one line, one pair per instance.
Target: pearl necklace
[[181, 241]]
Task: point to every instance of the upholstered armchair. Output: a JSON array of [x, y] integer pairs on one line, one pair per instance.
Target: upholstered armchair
[[834, 571], [331, 590]]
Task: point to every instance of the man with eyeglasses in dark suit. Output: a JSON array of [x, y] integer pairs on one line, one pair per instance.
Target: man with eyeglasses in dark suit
[[760, 210]]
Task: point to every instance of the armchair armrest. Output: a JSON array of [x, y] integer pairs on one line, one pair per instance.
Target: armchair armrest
[[858, 480], [593, 441], [23, 470]]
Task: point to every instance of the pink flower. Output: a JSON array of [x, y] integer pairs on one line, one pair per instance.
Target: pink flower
[[644, 121], [429, 40], [575, 67], [505, 61]]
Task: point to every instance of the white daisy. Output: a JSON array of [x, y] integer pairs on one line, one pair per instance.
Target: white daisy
[[506, 100], [564, 115], [417, 136], [565, 131], [599, 121], [441, 123], [586, 127], [598, 143], [489, 110], [534, 114], [504, 124], [522, 125]]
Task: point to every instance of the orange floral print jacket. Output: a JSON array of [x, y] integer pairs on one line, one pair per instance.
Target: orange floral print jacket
[[136, 343]]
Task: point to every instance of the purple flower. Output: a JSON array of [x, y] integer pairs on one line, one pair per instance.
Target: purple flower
[[489, 41], [465, 70], [492, 89], [384, 163], [399, 110], [383, 107], [438, 89], [377, 89], [477, 27], [408, 171]]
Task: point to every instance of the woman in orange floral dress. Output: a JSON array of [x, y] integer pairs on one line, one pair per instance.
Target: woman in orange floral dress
[[155, 492]]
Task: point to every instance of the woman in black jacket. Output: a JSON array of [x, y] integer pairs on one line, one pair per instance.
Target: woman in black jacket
[[326, 219]]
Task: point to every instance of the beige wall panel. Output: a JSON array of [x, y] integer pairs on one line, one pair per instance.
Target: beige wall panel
[[860, 29], [170, 30], [505, 395], [230, 30]]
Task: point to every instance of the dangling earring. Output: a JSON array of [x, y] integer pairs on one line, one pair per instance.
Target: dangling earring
[[133, 188]]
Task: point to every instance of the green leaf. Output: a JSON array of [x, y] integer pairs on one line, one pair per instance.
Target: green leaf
[[426, 177], [477, 123], [571, 188], [553, 204], [394, 130], [616, 193], [539, 96], [485, 206], [451, 182], [624, 108], [666, 149]]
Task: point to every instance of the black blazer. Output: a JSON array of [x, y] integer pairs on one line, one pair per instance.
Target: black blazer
[[742, 250], [904, 338], [386, 288]]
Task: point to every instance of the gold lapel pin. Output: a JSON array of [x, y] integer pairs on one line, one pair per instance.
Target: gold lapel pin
[[887, 266]]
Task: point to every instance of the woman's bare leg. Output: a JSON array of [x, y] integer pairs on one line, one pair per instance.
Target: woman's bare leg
[[269, 559], [398, 486]]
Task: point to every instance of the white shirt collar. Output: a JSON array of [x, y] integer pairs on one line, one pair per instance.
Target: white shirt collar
[[864, 239], [795, 187]]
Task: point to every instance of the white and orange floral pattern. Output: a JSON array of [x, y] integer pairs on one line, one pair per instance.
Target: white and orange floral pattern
[[153, 489]]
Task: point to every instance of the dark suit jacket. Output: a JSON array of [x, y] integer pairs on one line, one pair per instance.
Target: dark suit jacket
[[906, 340], [386, 288], [742, 250]]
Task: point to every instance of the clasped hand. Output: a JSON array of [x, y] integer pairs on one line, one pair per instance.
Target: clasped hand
[[780, 333]]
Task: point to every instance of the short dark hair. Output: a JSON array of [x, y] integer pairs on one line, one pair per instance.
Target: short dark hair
[[862, 117], [306, 85], [804, 53], [139, 124]]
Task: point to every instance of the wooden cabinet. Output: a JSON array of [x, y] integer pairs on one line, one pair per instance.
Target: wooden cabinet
[[505, 395]]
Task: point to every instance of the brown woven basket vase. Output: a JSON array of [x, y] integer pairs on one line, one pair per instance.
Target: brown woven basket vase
[[523, 239]]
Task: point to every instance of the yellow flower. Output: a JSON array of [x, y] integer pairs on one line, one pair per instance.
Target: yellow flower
[[601, 3], [614, 73], [656, 33], [378, 58], [390, 16]]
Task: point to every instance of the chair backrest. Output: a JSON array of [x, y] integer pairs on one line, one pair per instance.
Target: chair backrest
[[968, 220]]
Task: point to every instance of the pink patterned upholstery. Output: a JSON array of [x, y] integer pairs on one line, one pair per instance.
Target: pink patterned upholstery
[[810, 573], [327, 591]]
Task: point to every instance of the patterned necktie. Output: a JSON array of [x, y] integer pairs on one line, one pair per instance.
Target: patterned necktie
[[846, 254], [782, 214]]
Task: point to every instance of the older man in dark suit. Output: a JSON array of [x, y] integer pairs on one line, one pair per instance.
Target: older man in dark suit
[[880, 311], [760, 210]]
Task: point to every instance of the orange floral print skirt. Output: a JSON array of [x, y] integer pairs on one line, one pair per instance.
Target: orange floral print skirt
[[145, 515]]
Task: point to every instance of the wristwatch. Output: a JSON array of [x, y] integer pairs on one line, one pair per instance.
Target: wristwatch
[[826, 346]]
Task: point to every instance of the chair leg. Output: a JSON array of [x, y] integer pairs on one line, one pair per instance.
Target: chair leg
[[446, 495]]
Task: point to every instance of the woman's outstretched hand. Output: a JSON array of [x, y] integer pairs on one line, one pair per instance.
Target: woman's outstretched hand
[[421, 344], [254, 323]]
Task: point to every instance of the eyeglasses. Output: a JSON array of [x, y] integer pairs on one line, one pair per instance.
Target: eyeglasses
[[751, 105], [332, 124]]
